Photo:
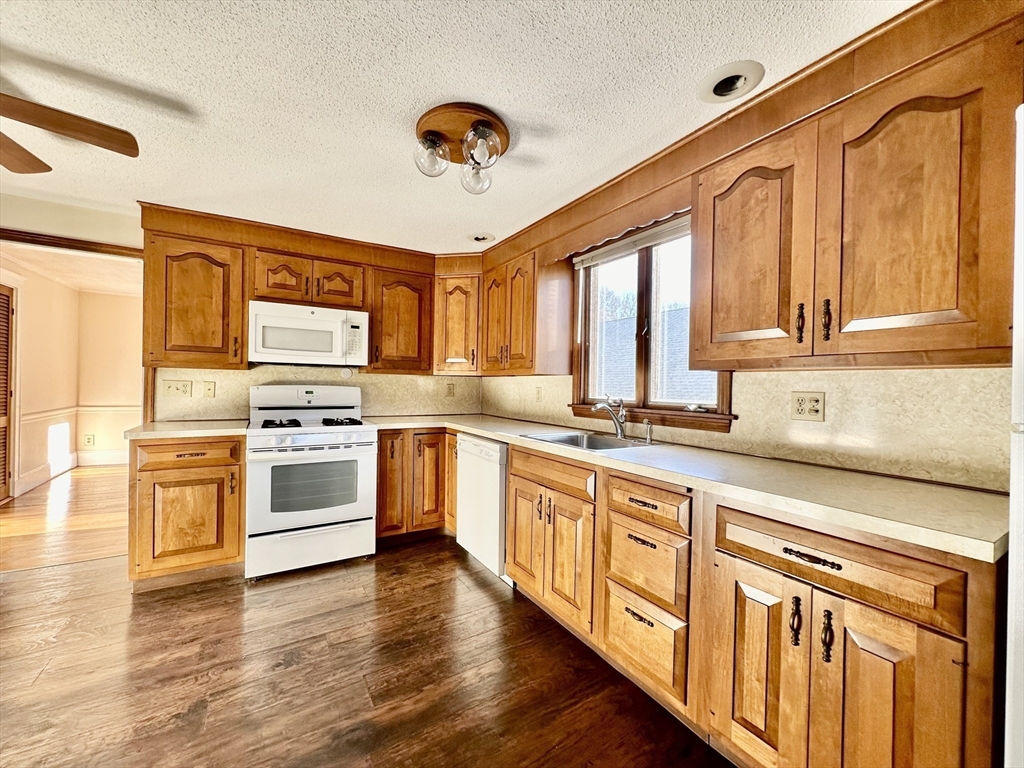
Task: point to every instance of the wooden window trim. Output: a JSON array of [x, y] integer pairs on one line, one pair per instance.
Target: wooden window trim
[[662, 415]]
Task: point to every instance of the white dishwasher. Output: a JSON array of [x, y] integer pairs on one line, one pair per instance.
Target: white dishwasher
[[480, 524]]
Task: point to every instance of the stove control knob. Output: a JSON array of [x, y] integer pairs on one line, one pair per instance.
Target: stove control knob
[[289, 440], [277, 441]]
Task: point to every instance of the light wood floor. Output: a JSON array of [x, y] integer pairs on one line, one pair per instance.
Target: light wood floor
[[416, 657], [80, 515]]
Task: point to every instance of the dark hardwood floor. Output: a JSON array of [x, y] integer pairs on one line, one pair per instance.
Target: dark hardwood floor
[[415, 657]]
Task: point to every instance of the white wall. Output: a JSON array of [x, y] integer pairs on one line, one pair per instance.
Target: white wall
[[73, 221], [78, 371], [945, 425]]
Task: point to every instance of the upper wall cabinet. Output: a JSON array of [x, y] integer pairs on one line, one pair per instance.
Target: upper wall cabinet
[[527, 317], [456, 324], [193, 313], [753, 281], [879, 234], [401, 321], [915, 244], [287, 277]]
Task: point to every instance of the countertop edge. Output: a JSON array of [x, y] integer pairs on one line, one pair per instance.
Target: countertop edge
[[932, 538]]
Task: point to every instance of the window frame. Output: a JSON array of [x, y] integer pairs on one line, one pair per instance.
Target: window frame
[[717, 419]]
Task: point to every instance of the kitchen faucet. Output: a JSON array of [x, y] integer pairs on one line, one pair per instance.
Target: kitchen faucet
[[618, 419]]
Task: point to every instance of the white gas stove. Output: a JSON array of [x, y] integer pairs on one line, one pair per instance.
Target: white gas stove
[[311, 478]]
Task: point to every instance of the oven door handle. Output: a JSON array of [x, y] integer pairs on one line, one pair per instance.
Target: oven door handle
[[358, 450], [312, 531]]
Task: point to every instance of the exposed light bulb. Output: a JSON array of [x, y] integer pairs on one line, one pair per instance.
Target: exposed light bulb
[[481, 146], [475, 180], [432, 156]]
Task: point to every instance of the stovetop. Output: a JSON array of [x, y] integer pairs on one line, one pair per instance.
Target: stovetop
[[310, 425]]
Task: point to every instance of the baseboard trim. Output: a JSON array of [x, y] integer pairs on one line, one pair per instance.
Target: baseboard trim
[[41, 474], [102, 458]]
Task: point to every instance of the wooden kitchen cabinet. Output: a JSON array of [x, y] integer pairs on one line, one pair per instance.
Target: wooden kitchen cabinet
[[753, 262], [883, 690], [193, 310], [411, 480], [428, 479], [761, 666], [524, 534], [451, 485], [877, 234], [915, 248], [280, 276], [457, 324], [527, 319], [569, 557], [306, 279], [185, 506], [402, 322], [393, 490], [549, 546]]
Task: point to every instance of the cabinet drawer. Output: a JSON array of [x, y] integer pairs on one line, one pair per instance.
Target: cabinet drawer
[[651, 561], [192, 454], [649, 640], [669, 509], [918, 590], [568, 478]]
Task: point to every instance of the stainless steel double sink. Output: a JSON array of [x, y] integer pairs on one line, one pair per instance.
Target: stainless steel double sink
[[588, 441]]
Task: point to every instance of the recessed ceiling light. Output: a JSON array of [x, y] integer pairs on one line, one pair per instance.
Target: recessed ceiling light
[[482, 237], [731, 81]]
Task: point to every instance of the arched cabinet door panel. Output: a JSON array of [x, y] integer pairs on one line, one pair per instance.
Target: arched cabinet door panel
[[401, 321], [456, 324], [280, 276], [193, 310], [914, 223], [495, 301], [753, 264], [338, 285]]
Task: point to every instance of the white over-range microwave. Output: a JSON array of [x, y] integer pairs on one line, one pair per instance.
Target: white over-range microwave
[[305, 335]]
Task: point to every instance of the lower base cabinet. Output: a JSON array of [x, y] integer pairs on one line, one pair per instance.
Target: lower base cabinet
[[186, 509], [452, 482], [411, 480], [549, 548]]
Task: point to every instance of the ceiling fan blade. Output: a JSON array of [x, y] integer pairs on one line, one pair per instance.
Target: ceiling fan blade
[[17, 159], [66, 124]]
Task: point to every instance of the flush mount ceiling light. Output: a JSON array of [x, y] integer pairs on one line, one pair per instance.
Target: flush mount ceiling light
[[731, 81], [464, 133]]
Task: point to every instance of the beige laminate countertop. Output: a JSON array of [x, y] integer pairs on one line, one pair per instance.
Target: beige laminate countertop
[[158, 430], [974, 524]]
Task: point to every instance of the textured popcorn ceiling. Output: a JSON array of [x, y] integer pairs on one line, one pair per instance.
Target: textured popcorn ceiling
[[303, 113]]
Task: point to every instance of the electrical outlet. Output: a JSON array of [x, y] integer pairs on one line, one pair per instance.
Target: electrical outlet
[[451, 391], [540, 394], [209, 389], [90, 440], [176, 388], [807, 406]]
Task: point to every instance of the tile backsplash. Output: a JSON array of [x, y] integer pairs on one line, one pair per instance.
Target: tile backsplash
[[946, 425], [383, 394]]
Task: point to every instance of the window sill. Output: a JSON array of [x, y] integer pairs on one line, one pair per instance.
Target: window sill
[[662, 417]]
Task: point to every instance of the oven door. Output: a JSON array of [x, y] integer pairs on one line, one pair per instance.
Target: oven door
[[298, 487]]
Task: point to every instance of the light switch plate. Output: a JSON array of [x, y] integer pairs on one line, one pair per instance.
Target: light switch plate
[[209, 389], [177, 388], [807, 406]]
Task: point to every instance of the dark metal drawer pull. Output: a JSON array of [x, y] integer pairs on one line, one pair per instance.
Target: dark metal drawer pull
[[190, 455], [642, 542], [828, 636], [642, 503], [812, 559], [540, 506], [637, 617], [795, 620]]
